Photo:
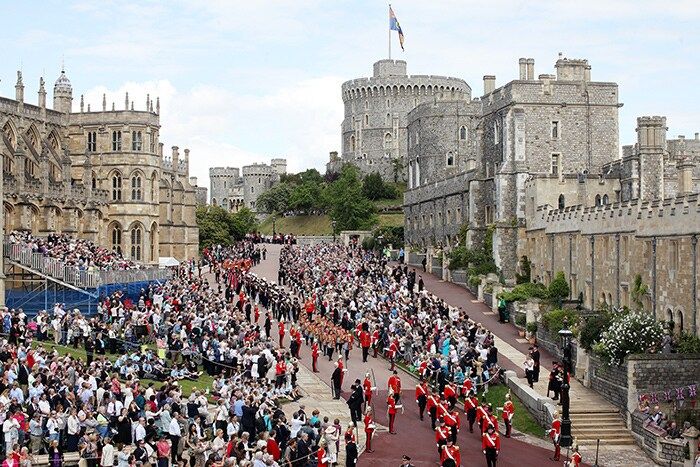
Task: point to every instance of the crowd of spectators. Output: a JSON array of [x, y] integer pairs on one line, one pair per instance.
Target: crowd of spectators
[[81, 253], [54, 401]]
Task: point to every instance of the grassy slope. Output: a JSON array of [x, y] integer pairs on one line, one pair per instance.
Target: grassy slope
[[321, 225]]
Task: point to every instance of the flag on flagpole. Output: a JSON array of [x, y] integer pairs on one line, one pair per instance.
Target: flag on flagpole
[[395, 26]]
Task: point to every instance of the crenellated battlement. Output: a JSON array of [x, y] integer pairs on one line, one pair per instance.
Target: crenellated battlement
[[677, 215]]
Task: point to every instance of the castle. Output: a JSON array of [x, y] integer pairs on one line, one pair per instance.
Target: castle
[[96, 174], [536, 164], [232, 190], [374, 133]]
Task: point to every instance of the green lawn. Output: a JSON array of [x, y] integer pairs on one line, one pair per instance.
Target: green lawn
[[205, 381], [522, 420]]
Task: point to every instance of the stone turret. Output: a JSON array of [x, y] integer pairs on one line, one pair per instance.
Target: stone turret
[[62, 94], [19, 92]]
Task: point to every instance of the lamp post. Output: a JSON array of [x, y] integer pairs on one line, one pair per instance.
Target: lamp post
[[333, 224], [565, 335], [274, 218]]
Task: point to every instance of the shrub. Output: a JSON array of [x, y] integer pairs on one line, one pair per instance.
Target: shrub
[[522, 292], [520, 320], [558, 288], [474, 281], [553, 322], [532, 328], [369, 243], [526, 269], [688, 343], [591, 329], [629, 333]]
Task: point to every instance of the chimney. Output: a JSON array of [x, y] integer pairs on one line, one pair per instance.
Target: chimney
[[523, 68], [126, 101], [685, 176], [530, 68], [193, 181], [175, 158], [104, 102], [697, 136], [489, 84], [82, 103]]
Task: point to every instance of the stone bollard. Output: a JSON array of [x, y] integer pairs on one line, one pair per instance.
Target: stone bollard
[[691, 437]]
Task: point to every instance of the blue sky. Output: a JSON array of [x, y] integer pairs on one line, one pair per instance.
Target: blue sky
[[244, 81]]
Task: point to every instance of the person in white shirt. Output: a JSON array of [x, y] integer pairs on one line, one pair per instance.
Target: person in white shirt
[[140, 430], [107, 454]]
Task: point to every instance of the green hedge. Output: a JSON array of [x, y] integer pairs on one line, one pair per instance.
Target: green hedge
[[553, 322], [522, 292]]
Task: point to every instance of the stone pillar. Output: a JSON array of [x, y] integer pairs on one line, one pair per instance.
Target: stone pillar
[[691, 437], [530, 69]]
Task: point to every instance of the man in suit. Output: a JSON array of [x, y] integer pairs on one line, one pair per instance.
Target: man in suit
[[355, 402]]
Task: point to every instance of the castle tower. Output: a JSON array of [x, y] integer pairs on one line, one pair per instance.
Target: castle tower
[[279, 165], [62, 94], [257, 178], [374, 134], [651, 143]]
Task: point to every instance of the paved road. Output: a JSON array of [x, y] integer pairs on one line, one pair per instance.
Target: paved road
[[414, 437]]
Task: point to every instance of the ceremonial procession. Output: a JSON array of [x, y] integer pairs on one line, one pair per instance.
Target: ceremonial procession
[[377, 243]]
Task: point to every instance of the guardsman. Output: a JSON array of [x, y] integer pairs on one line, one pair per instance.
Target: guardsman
[[491, 446], [393, 351], [466, 388], [391, 410], [450, 455], [450, 395], [365, 342], [453, 422], [489, 420], [481, 414], [369, 429], [442, 434], [555, 435], [280, 327], [314, 356], [471, 403], [432, 409], [394, 386], [508, 412], [375, 342], [421, 397], [576, 457], [367, 389]]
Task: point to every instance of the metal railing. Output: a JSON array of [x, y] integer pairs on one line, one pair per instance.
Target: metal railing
[[71, 274]]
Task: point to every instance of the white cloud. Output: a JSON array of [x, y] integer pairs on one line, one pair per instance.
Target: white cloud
[[224, 128]]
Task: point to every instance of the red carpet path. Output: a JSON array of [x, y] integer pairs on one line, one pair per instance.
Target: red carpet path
[[415, 438]]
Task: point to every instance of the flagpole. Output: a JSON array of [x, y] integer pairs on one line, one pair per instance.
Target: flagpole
[[390, 32]]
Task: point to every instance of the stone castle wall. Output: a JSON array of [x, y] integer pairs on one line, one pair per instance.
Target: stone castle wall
[[601, 249]]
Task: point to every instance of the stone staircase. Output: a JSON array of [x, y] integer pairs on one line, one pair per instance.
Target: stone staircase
[[590, 424]]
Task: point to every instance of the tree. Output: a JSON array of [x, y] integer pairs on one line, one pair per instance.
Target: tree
[[220, 227], [558, 288], [349, 208], [373, 186], [311, 176], [276, 199], [638, 292], [305, 197]]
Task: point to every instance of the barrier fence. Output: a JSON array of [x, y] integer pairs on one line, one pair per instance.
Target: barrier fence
[[73, 275]]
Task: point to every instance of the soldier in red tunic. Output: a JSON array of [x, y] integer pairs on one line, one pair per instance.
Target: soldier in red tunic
[[576, 458], [314, 356], [450, 455], [367, 390], [555, 435], [365, 342], [491, 446], [442, 434], [432, 409], [391, 410], [508, 412], [422, 397], [280, 326], [470, 405], [369, 429], [394, 386]]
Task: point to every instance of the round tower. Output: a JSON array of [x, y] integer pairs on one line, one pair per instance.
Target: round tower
[[62, 94], [222, 181], [374, 134], [257, 179]]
